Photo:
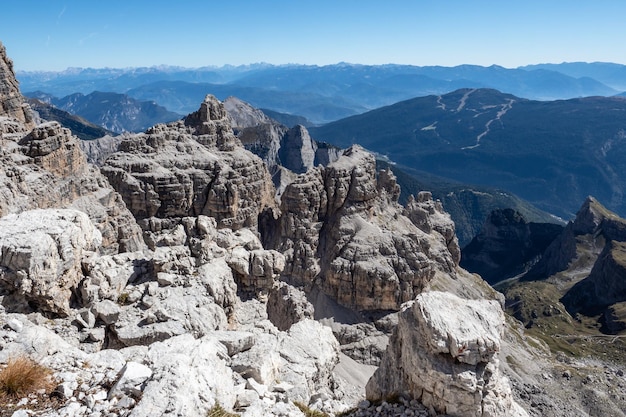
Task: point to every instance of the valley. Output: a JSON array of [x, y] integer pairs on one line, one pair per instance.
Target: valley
[[407, 260]]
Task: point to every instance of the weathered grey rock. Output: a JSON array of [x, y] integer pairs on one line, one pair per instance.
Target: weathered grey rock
[[189, 377], [242, 115], [285, 151], [235, 341], [190, 168], [108, 275], [429, 215], [12, 103], [605, 285], [287, 305], [290, 357], [342, 231], [444, 353], [255, 270], [297, 150], [45, 168], [98, 150], [131, 380], [41, 255], [107, 311]]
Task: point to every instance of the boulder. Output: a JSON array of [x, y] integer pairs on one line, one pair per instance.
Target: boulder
[[444, 353], [41, 255]]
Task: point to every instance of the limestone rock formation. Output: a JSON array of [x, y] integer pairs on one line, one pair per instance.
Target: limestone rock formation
[[12, 103], [341, 231], [605, 285], [98, 150], [429, 215], [507, 245], [189, 168], [283, 150], [592, 220], [41, 252], [43, 167], [242, 115], [444, 353]]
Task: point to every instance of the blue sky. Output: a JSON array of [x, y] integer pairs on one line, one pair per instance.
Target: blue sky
[[56, 34]]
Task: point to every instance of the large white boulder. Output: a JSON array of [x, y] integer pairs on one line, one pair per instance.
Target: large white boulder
[[41, 253], [444, 353]]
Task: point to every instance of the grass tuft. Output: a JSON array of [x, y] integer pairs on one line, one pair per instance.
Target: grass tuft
[[218, 411], [309, 412], [23, 376]]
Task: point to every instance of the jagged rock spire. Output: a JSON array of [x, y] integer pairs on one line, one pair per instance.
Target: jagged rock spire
[[11, 101]]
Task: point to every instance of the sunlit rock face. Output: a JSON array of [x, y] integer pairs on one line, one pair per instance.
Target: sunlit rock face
[[192, 167], [444, 353], [12, 103], [342, 230]]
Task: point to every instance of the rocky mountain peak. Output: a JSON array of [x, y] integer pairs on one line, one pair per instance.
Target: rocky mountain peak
[[342, 231], [11, 101], [211, 109], [192, 167], [590, 216], [242, 115]]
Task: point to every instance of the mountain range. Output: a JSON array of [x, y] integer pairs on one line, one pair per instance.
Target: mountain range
[[175, 279], [115, 112], [553, 154], [326, 93]]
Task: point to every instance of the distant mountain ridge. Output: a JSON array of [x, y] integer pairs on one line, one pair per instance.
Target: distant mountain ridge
[[80, 127], [319, 93], [115, 112], [552, 154]]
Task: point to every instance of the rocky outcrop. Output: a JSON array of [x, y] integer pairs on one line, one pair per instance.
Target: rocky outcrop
[[592, 220], [189, 168], [242, 115], [45, 168], [98, 150], [342, 231], [444, 353], [428, 215], [507, 245], [605, 285], [12, 104], [41, 252], [280, 148]]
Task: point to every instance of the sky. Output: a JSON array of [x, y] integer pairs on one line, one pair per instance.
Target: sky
[[56, 34]]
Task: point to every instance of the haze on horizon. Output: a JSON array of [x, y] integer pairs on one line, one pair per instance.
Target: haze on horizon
[[57, 34]]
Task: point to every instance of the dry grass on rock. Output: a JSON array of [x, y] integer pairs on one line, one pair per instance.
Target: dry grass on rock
[[22, 377]]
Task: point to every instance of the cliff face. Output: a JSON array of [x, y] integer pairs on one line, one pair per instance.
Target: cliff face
[[342, 230], [189, 168], [605, 285], [284, 150], [12, 103], [43, 167], [507, 245], [592, 221]]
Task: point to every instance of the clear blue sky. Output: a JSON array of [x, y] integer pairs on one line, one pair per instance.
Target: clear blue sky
[[56, 34]]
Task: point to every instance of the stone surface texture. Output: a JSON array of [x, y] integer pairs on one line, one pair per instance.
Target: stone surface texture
[[342, 230], [192, 167], [444, 353], [12, 104], [41, 252]]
